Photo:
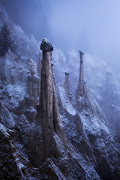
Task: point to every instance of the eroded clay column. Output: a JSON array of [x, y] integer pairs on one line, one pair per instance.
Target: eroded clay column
[[81, 76], [66, 84], [46, 95], [48, 109]]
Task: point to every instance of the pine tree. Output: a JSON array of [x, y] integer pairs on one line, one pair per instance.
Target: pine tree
[[6, 42]]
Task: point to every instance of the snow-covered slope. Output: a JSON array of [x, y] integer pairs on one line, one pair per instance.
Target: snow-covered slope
[[27, 46], [95, 75], [88, 131]]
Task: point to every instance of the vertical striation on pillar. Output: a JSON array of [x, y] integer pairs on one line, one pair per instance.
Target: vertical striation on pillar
[[49, 116], [81, 76], [66, 84]]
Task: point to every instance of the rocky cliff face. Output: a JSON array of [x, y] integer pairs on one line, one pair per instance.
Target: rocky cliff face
[[87, 129], [63, 137]]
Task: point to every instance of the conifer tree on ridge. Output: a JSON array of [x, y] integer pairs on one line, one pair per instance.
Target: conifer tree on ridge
[[6, 41]]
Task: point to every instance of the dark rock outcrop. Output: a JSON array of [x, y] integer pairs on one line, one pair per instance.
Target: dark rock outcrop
[[12, 164], [8, 166], [46, 45], [50, 171]]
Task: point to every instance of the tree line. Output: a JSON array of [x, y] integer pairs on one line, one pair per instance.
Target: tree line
[[6, 41]]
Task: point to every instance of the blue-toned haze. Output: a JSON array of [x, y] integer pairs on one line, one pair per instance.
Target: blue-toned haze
[[92, 26]]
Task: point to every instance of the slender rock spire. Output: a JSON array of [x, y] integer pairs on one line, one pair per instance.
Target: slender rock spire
[[49, 116], [81, 76], [66, 84]]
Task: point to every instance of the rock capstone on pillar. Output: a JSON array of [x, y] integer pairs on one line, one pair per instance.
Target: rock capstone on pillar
[[49, 116]]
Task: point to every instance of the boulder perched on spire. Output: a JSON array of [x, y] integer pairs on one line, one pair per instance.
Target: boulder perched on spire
[[52, 129], [46, 45]]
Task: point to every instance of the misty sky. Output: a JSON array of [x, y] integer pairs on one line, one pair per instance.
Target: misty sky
[[92, 26]]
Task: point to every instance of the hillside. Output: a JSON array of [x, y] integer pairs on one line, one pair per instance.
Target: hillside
[[47, 130]]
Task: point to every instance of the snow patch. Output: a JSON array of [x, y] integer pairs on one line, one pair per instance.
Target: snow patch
[[66, 102], [4, 130]]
